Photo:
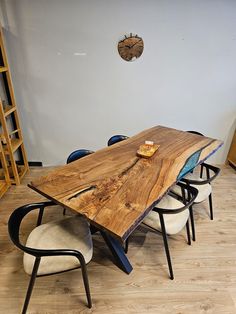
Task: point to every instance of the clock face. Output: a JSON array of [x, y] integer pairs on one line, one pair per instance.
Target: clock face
[[130, 48]]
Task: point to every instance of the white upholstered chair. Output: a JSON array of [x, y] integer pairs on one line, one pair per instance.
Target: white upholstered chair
[[203, 185], [53, 247], [171, 215], [200, 178]]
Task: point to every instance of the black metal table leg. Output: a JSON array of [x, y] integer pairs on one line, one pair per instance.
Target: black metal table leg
[[118, 252]]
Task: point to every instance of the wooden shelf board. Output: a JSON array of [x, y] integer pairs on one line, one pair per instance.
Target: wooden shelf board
[[8, 110], [3, 69], [15, 144], [3, 187], [22, 171], [12, 180]]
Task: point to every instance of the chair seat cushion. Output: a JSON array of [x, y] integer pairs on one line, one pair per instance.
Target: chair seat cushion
[[174, 223], [204, 190], [71, 233]]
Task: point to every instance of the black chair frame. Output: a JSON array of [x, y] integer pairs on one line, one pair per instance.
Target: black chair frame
[[211, 173], [14, 230], [188, 196], [208, 180]]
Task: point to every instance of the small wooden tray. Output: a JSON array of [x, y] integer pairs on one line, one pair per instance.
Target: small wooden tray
[[146, 150]]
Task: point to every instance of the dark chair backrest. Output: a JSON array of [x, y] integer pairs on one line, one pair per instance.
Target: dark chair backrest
[[208, 167], [77, 154], [188, 195], [15, 220], [195, 132], [116, 138]]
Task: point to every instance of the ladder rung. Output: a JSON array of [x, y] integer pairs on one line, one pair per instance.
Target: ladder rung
[[8, 110], [14, 132], [3, 69]]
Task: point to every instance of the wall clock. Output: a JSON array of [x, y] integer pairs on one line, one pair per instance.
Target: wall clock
[[131, 47]]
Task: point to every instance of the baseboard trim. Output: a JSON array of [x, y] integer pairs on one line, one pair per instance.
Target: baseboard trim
[[35, 163]]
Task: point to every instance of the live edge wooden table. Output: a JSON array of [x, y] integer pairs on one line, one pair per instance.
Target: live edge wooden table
[[115, 189]]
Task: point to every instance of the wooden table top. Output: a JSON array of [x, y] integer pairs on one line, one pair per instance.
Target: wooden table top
[[114, 188]]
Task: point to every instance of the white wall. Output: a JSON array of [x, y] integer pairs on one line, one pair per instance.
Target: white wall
[[186, 77]]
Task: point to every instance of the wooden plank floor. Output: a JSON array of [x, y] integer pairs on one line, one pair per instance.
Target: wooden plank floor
[[205, 273]]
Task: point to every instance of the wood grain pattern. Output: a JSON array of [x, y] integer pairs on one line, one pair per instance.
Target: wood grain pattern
[[114, 188]]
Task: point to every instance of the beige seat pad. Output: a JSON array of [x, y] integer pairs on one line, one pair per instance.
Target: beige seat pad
[[174, 223], [71, 233]]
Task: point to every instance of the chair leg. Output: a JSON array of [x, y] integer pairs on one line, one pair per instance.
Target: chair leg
[[211, 206], [86, 283], [31, 284], [64, 211], [192, 223], [188, 232], [164, 236], [201, 172], [40, 216]]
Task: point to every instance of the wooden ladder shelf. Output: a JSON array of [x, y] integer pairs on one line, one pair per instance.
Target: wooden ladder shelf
[[11, 134]]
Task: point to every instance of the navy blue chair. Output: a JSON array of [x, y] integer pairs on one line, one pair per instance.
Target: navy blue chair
[[116, 138], [77, 154]]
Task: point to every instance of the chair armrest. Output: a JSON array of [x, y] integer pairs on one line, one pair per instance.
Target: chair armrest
[[208, 168], [214, 169], [55, 252], [14, 228], [18, 215]]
